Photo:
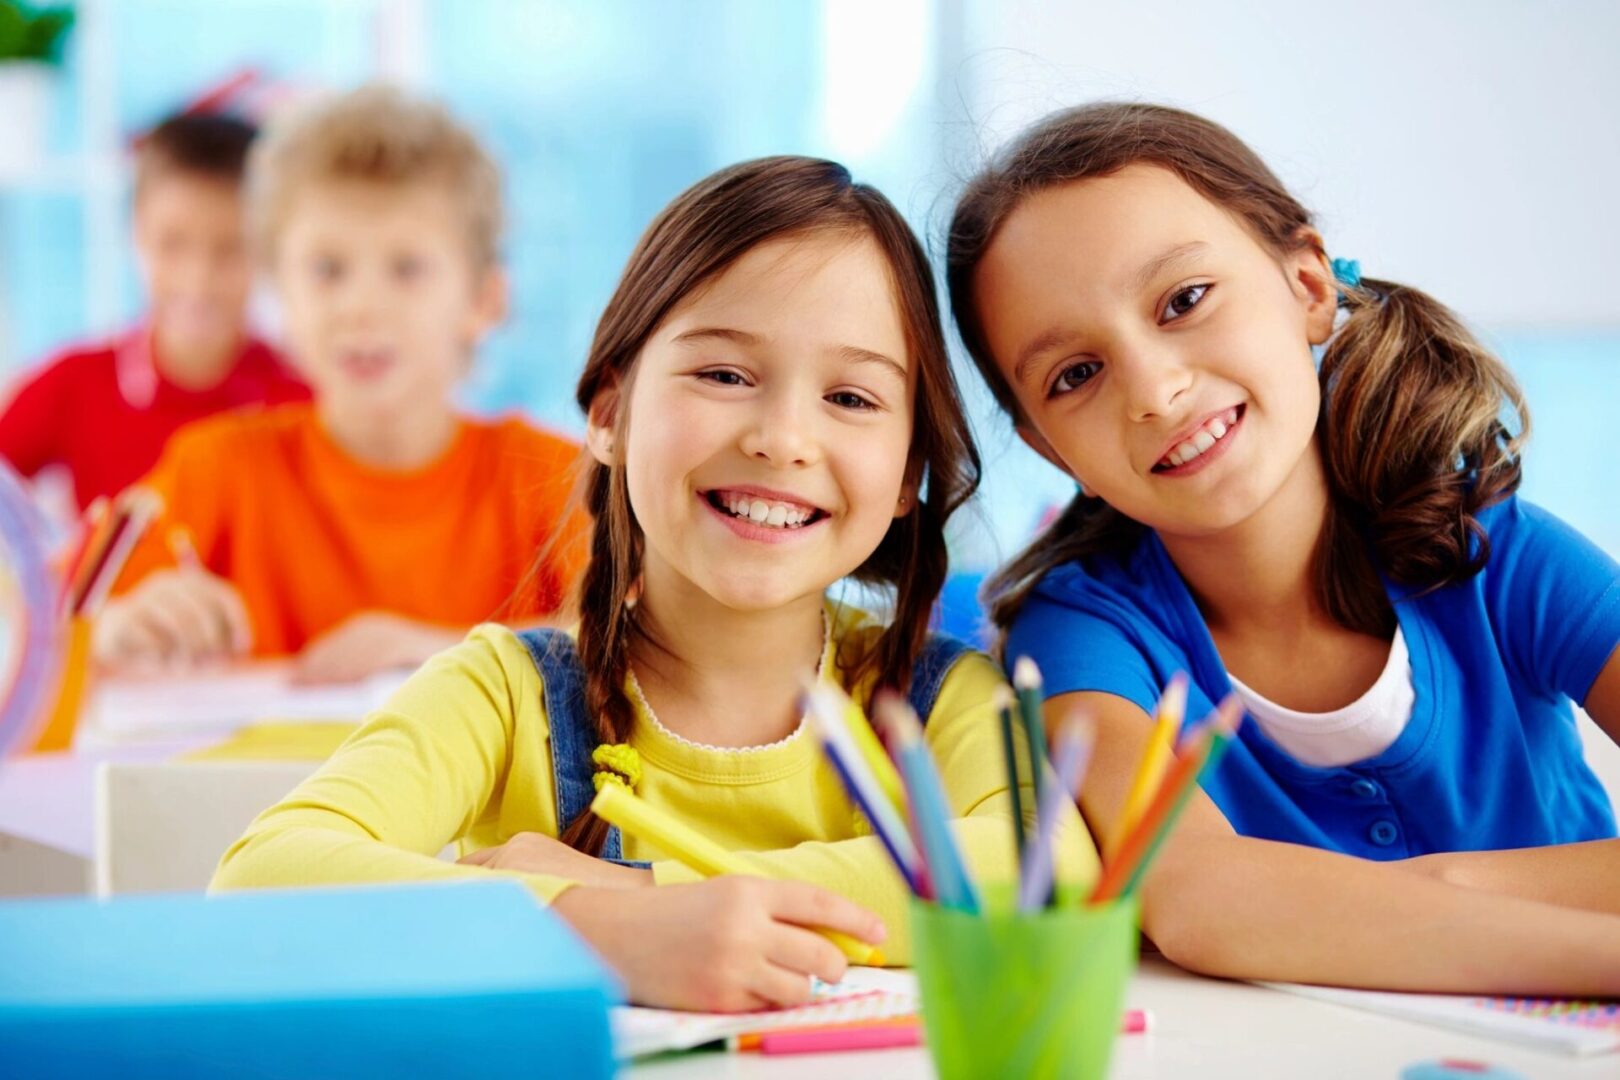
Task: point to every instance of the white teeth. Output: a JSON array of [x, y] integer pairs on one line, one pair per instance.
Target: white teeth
[[1202, 440], [771, 515]]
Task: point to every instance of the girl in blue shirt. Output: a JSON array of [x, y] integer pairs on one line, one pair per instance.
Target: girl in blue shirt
[[1335, 539]]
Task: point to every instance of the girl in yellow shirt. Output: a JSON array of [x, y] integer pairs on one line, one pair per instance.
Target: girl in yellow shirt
[[770, 410]]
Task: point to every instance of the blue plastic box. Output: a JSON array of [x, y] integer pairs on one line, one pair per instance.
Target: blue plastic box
[[475, 980]]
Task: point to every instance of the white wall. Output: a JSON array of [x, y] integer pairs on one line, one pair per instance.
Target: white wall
[[1471, 149]]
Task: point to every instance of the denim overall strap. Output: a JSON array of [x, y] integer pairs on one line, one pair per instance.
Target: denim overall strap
[[573, 738], [939, 655]]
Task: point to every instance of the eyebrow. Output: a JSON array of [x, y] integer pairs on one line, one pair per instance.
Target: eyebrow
[[851, 353], [1164, 260], [1143, 277]]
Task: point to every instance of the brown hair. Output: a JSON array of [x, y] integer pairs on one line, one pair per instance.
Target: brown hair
[[207, 145], [378, 135], [696, 237], [1411, 430]]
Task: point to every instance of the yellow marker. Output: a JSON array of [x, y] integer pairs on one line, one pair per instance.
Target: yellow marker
[[866, 741], [1155, 759], [617, 806]]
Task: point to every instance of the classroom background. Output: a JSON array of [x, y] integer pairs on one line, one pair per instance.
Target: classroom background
[[1466, 148]]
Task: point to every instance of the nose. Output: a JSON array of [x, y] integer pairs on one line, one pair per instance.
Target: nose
[[360, 293], [782, 430], [1152, 381]]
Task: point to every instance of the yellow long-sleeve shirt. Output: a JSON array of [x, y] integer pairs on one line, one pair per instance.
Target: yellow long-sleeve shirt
[[461, 754]]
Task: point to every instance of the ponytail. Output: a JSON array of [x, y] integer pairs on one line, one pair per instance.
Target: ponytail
[[1415, 441]]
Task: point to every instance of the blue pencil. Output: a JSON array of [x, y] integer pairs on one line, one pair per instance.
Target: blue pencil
[[854, 773], [848, 780], [930, 808]]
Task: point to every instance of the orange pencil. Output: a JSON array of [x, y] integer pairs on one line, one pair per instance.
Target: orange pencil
[[1142, 842]]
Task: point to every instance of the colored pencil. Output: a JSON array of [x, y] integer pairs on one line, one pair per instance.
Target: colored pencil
[[1124, 872], [829, 717], [1027, 682], [1150, 772], [94, 518], [821, 1042], [1004, 702], [953, 885], [1131, 1022], [1075, 742], [137, 508]]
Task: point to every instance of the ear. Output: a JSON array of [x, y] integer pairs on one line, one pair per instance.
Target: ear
[[601, 420], [907, 502], [490, 302], [1310, 277]]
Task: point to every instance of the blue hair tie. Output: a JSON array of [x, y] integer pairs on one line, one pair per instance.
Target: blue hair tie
[[1348, 272]]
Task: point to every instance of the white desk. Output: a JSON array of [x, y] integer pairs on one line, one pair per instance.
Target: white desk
[[1204, 1029]]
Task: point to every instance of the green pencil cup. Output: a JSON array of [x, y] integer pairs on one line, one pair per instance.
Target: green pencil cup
[[1027, 995]]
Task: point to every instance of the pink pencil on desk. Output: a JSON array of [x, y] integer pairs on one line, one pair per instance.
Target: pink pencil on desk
[[875, 1037]]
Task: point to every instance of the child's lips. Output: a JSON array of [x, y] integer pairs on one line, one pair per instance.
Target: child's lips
[[366, 365]]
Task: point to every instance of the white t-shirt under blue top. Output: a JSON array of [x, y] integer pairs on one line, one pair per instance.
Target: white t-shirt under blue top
[[1489, 756], [1367, 726]]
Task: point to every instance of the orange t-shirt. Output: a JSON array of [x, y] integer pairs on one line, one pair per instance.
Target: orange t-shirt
[[309, 536]]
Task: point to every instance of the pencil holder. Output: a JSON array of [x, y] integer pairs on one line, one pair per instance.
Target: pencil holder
[[73, 681], [1035, 994]]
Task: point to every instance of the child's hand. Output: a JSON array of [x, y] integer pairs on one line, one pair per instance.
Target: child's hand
[[180, 616], [729, 944], [369, 642], [537, 853]]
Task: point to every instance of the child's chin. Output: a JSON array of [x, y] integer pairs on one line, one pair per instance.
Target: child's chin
[[761, 595]]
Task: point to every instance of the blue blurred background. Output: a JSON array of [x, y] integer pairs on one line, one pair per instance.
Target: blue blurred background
[[1467, 148]]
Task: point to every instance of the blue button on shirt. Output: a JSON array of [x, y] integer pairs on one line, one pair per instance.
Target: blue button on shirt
[[1364, 789], [1491, 757]]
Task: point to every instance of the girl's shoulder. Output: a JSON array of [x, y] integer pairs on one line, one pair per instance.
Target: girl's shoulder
[[1140, 578], [489, 673]]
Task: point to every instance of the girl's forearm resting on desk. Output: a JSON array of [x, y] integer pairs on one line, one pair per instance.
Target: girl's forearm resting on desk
[[336, 852], [1583, 876], [1243, 908]]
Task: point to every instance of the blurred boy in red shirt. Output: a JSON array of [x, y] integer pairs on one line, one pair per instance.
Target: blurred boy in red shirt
[[105, 411]]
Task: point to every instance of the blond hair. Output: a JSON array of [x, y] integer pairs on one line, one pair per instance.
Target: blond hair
[[379, 135]]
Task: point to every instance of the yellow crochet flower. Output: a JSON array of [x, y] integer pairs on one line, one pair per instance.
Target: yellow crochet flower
[[616, 763]]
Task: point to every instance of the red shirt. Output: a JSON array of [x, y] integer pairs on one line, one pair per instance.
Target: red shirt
[[106, 412]]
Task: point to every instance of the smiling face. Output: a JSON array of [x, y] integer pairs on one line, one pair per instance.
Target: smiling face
[[382, 297], [1159, 353], [769, 424]]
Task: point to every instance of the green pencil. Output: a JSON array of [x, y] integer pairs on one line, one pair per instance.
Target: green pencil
[[1004, 702], [1027, 681]]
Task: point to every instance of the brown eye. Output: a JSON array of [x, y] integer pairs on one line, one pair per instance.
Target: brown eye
[[1073, 377], [1183, 301]]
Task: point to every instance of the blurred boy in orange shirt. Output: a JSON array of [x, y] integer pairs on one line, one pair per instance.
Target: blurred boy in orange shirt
[[370, 528]]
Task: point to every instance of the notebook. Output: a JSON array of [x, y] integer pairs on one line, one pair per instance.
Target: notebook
[[1572, 1027], [864, 994], [221, 701], [462, 980]]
